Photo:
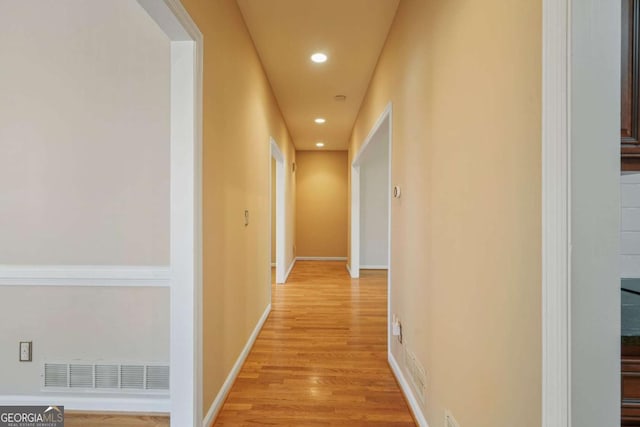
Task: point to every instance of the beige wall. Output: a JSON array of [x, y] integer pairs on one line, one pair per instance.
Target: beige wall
[[84, 132], [240, 114], [465, 82], [321, 203], [84, 180]]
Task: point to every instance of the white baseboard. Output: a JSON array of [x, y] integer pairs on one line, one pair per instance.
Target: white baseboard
[[321, 258], [235, 370], [374, 267], [348, 269], [286, 275], [146, 404], [408, 392]]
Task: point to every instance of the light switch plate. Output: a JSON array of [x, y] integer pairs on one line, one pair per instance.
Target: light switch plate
[[25, 351]]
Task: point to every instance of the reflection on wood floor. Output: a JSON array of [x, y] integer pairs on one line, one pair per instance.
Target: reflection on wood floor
[[321, 358]]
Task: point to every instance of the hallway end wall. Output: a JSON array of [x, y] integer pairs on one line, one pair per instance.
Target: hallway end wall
[[464, 79], [321, 204], [240, 114]]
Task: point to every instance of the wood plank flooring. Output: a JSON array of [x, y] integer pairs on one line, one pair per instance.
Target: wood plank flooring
[[321, 357], [87, 419]]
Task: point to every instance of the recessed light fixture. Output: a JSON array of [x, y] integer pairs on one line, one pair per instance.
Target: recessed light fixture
[[319, 57], [319, 144], [320, 120]]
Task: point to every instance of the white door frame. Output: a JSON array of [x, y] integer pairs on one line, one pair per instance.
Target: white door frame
[[354, 264], [354, 268], [276, 154], [185, 208], [556, 210]]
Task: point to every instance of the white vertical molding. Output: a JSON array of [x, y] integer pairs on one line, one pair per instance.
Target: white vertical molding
[[186, 208], [276, 154], [556, 283], [183, 245], [354, 268]]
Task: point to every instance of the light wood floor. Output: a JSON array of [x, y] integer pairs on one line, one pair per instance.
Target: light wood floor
[[79, 419], [321, 358]]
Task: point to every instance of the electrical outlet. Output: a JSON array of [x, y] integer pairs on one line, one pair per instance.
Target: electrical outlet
[[246, 217], [25, 351]]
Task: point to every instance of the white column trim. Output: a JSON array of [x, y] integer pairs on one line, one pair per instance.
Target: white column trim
[[186, 208], [276, 153], [556, 272]]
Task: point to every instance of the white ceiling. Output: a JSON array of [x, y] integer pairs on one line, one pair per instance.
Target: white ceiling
[[286, 33]]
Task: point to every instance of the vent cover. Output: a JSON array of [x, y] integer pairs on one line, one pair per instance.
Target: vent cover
[[88, 376], [107, 376], [157, 378], [55, 375], [132, 376], [81, 376], [416, 373]]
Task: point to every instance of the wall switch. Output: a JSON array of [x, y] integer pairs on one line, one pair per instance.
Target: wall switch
[[449, 421], [25, 351], [396, 328]]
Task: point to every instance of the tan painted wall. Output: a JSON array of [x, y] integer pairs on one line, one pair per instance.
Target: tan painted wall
[[240, 113], [321, 203], [465, 82]]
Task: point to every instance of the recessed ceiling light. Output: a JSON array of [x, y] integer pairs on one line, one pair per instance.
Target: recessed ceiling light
[[320, 120], [319, 57], [319, 144]]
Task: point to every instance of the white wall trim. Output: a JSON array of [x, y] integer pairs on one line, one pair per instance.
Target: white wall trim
[[354, 268], [348, 268], [286, 275], [355, 191], [374, 267], [276, 154], [556, 210], [186, 207], [408, 391], [84, 275], [235, 370], [159, 405]]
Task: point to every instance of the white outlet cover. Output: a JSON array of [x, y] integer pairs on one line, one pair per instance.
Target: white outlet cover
[[25, 351]]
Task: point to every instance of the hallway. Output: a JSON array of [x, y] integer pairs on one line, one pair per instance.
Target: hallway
[[321, 357]]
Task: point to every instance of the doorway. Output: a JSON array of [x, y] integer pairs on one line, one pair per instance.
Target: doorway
[[370, 207], [278, 210]]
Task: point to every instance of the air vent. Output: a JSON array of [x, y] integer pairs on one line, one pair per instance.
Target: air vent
[[416, 374], [157, 378], [96, 377], [55, 375], [132, 376], [81, 376], [107, 376]]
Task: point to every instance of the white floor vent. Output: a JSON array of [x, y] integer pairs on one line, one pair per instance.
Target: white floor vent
[[416, 374], [104, 377]]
